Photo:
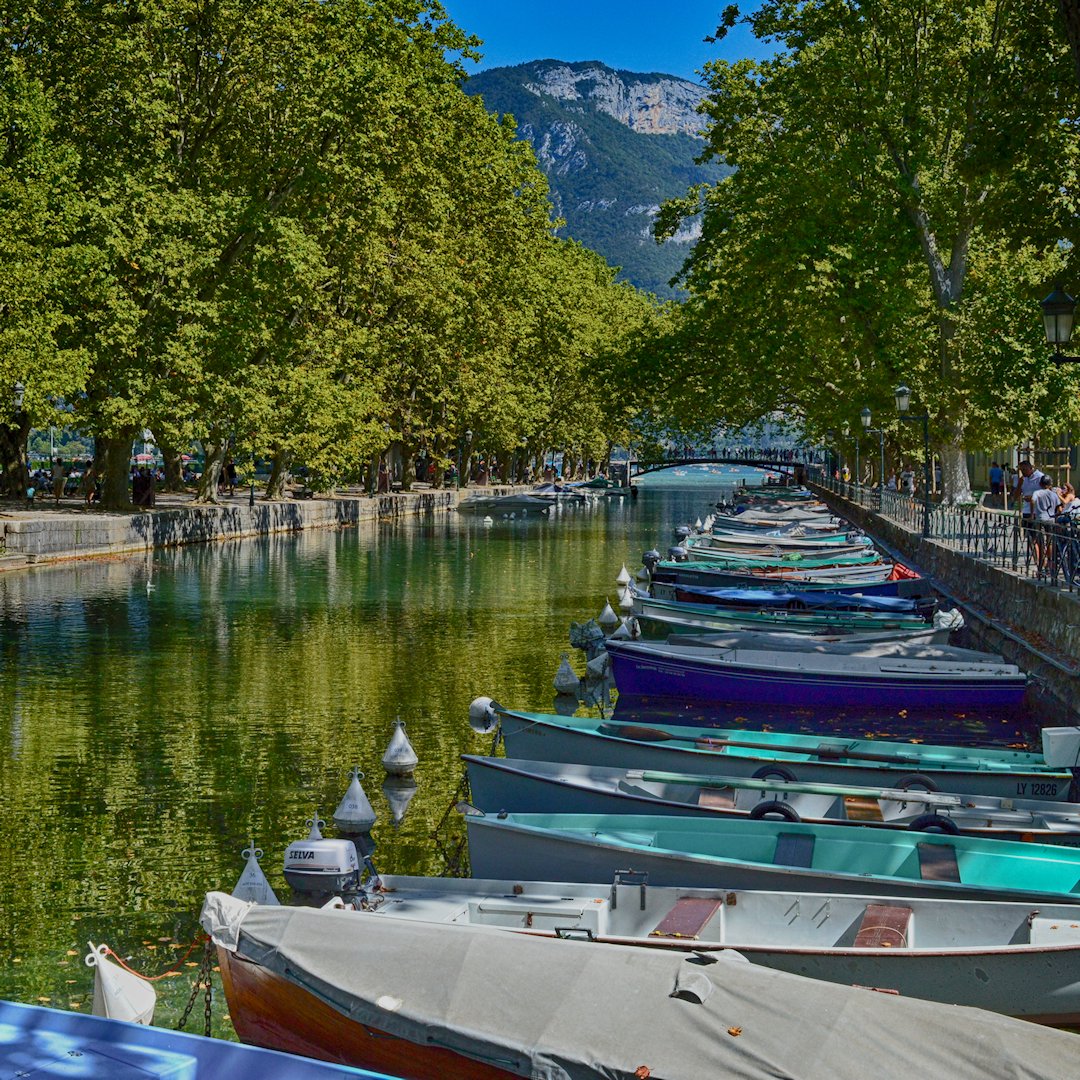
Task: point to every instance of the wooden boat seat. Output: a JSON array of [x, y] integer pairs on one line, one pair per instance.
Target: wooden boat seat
[[794, 849], [861, 808], [1046, 931], [716, 798], [937, 862], [884, 926], [689, 916]]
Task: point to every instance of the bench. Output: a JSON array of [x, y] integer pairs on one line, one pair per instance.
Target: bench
[[937, 862], [884, 926], [862, 808], [794, 849], [711, 798], [689, 916]]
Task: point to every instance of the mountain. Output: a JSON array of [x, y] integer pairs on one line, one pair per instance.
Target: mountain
[[614, 145]]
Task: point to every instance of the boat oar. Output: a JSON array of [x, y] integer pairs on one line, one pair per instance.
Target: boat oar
[[648, 734]]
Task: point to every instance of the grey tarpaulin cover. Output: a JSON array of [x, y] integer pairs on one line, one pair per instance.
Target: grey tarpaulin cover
[[554, 1009]]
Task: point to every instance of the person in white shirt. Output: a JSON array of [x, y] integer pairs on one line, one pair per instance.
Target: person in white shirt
[[1028, 482]]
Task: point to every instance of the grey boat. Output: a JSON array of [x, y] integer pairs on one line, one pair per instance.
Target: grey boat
[[546, 787], [454, 1001], [993, 955]]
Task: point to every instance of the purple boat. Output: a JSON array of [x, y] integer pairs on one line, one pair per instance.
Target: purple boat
[[878, 677]]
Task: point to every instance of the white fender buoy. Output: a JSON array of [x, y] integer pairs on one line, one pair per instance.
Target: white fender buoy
[[624, 576], [314, 824], [626, 601], [620, 633], [252, 885], [355, 813], [400, 758], [118, 994], [608, 619], [598, 666], [634, 625], [398, 794], [643, 574], [697, 524], [566, 680], [489, 520], [484, 715]]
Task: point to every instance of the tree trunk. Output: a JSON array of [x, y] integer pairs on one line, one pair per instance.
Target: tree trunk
[[954, 473], [214, 447], [114, 458], [13, 457], [1070, 9], [279, 473], [174, 481]]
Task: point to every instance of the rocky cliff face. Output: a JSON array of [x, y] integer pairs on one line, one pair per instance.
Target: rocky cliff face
[[648, 104], [614, 145]]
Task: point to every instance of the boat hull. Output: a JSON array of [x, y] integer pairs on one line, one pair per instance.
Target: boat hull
[[664, 581], [655, 679], [509, 848], [530, 736], [270, 1011]]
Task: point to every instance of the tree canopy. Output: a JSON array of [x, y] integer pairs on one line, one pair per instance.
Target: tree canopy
[[284, 230], [902, 195]]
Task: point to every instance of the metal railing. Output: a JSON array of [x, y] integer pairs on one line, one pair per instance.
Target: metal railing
[[1047, 552]]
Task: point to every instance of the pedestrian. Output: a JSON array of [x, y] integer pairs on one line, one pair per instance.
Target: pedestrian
[[1028, 481], [59, 478], [1045, 503], [997, 478], [89, 483], [907, 481]]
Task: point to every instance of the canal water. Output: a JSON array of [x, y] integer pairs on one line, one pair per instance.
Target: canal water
[[159, 713]]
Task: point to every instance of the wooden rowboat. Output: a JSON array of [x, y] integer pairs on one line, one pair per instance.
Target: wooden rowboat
[[444, 1002]]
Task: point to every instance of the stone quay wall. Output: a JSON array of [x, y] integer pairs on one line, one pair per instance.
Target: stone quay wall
[[49, 537], [1030, 623]]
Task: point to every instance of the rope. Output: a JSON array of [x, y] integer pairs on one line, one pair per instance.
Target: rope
[[200, 938], [899, 933]]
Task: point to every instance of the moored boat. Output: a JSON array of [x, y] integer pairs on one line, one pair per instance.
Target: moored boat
[[723, 751], [657, 674], [475, 1003], [50, 1043], [520, 785], [765, 854], [989, 954]]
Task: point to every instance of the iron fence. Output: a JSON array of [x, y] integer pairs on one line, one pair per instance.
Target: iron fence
[[1047, 552]]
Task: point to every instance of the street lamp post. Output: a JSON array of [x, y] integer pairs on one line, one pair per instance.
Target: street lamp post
[[903, 404], [1058, 310], [865, 416], [461, 452]]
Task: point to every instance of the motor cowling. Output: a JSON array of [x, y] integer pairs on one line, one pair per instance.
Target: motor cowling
[[320, 866]]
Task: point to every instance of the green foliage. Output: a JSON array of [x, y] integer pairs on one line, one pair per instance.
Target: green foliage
[[895, 213], [286, 229]]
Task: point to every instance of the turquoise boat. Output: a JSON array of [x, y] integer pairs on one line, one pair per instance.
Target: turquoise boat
[[763, 854], [796, 561], [716, 751]]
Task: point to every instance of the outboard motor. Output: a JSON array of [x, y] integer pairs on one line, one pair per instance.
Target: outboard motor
[[650, 558], [683, 531], [678, 553], [319, 867]]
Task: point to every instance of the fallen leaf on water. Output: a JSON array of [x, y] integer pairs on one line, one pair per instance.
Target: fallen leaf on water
[[45, 1000], [643, 1072], [191, 963], [736, 1031], [73, 952]]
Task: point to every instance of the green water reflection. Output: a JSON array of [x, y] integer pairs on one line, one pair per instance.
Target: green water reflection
[[159, 713]]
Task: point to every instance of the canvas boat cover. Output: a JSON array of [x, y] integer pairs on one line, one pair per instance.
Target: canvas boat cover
[[569, 1009], [799, 600], [909, 644]]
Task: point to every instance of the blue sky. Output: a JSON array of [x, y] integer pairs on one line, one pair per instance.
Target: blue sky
[[629, 34]]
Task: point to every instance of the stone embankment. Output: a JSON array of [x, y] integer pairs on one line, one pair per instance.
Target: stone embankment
[[46, 535], [1030, 623]]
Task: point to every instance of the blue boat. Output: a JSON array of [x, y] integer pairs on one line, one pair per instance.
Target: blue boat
[[49, 1043], [671, 574], [782, 598]]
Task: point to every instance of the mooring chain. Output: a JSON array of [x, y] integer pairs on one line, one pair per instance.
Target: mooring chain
[[204, 977], [452, 855]]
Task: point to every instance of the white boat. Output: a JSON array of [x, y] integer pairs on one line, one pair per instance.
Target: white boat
[[1006, 957], [503, 503], [432, 1001]]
